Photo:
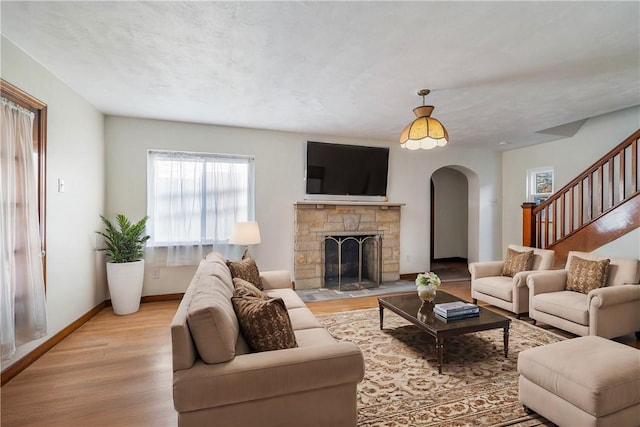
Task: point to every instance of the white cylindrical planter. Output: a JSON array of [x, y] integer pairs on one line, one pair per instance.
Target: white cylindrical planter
[[125, 285]]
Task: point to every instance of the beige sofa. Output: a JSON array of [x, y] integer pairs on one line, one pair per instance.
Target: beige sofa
[[313, 384], [610, 311], [509, 293]]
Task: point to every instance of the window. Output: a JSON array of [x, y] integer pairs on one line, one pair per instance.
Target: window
[[539, 184], [195, 198], [39, 110], [23, 316]]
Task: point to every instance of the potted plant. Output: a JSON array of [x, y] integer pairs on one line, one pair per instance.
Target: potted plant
[[125, 243]]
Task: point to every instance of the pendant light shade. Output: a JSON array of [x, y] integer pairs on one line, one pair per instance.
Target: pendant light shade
[[424, 132]]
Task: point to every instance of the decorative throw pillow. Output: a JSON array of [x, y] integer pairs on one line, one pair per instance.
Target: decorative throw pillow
[[585, 275], [265, 324], [246, 269], [244, 288], [515, 262]]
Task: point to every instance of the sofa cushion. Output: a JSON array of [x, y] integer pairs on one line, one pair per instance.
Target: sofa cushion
[[243, 288], [586, 275], [542, 258], [314, 337], [621, 270], [497, 286], [290, 297], [213, 324], [246, 269], [569, 305], [264, 323], [516, 262], [303, 318]]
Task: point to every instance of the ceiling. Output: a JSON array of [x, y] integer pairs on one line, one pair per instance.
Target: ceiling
[[516, 73]]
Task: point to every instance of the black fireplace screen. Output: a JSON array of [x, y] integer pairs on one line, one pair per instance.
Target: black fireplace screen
[[350, 260]]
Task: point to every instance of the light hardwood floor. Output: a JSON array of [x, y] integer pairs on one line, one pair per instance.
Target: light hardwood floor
[[116, 370], [112, 371]]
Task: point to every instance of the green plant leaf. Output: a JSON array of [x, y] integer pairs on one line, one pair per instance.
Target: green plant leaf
[[124, 242]]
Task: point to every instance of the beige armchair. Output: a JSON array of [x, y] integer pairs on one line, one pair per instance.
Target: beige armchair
[[489, 284], [609, 311]]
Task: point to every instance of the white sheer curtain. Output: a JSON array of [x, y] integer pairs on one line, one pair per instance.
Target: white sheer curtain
[[22, 297], [193, 201]]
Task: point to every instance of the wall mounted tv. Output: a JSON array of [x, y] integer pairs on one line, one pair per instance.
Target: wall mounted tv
[[350, 172]]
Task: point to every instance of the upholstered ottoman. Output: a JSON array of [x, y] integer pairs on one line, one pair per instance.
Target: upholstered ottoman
[[586, 381]]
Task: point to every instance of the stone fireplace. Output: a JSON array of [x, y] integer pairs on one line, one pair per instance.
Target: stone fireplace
[[319, 226]]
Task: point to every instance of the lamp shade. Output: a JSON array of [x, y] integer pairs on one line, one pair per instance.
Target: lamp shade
[[424, 132], [245, 233]]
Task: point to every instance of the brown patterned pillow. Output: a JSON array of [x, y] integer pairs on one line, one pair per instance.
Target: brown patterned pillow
[[265, 324], [515, 262], [244, 288], [246, 269], [584, 275]]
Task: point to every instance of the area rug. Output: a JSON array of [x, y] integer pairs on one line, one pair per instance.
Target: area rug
[[402, 387]]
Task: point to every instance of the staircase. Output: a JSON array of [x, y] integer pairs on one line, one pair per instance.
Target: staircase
[[597, 207]]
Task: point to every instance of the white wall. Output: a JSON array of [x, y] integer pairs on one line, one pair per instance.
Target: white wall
[[568, 157], [623, 247], [451, 214], [280, 182], [75, 153]]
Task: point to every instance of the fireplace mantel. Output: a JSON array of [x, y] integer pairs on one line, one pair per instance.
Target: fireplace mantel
[[353, 233], [321, 204]]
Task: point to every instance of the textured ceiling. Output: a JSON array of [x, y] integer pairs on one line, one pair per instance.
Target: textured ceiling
[[515, 72]]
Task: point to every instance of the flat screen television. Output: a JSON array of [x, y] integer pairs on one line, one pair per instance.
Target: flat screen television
[[340, 171]]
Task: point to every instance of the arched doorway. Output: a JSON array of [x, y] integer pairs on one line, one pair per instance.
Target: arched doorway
[[454, 194]]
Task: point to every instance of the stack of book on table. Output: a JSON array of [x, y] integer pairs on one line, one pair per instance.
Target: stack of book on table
[[456, 310]]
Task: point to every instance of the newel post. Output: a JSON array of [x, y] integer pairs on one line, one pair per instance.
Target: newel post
[[528, 225]]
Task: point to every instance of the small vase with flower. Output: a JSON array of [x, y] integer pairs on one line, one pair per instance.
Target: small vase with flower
[[427, 284]]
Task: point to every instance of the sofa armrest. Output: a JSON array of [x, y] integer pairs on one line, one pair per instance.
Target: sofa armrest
[[262, 375], [480, 269], [520, 278], [612, 295], [546, 281], [276, 279]]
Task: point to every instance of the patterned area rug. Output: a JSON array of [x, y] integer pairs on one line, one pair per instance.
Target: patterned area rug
[[402, 387]]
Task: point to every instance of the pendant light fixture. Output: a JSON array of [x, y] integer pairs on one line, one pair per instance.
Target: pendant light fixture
[[424, 132]]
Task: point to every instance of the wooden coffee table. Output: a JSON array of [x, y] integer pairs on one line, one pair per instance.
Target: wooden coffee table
[[420, 314]]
